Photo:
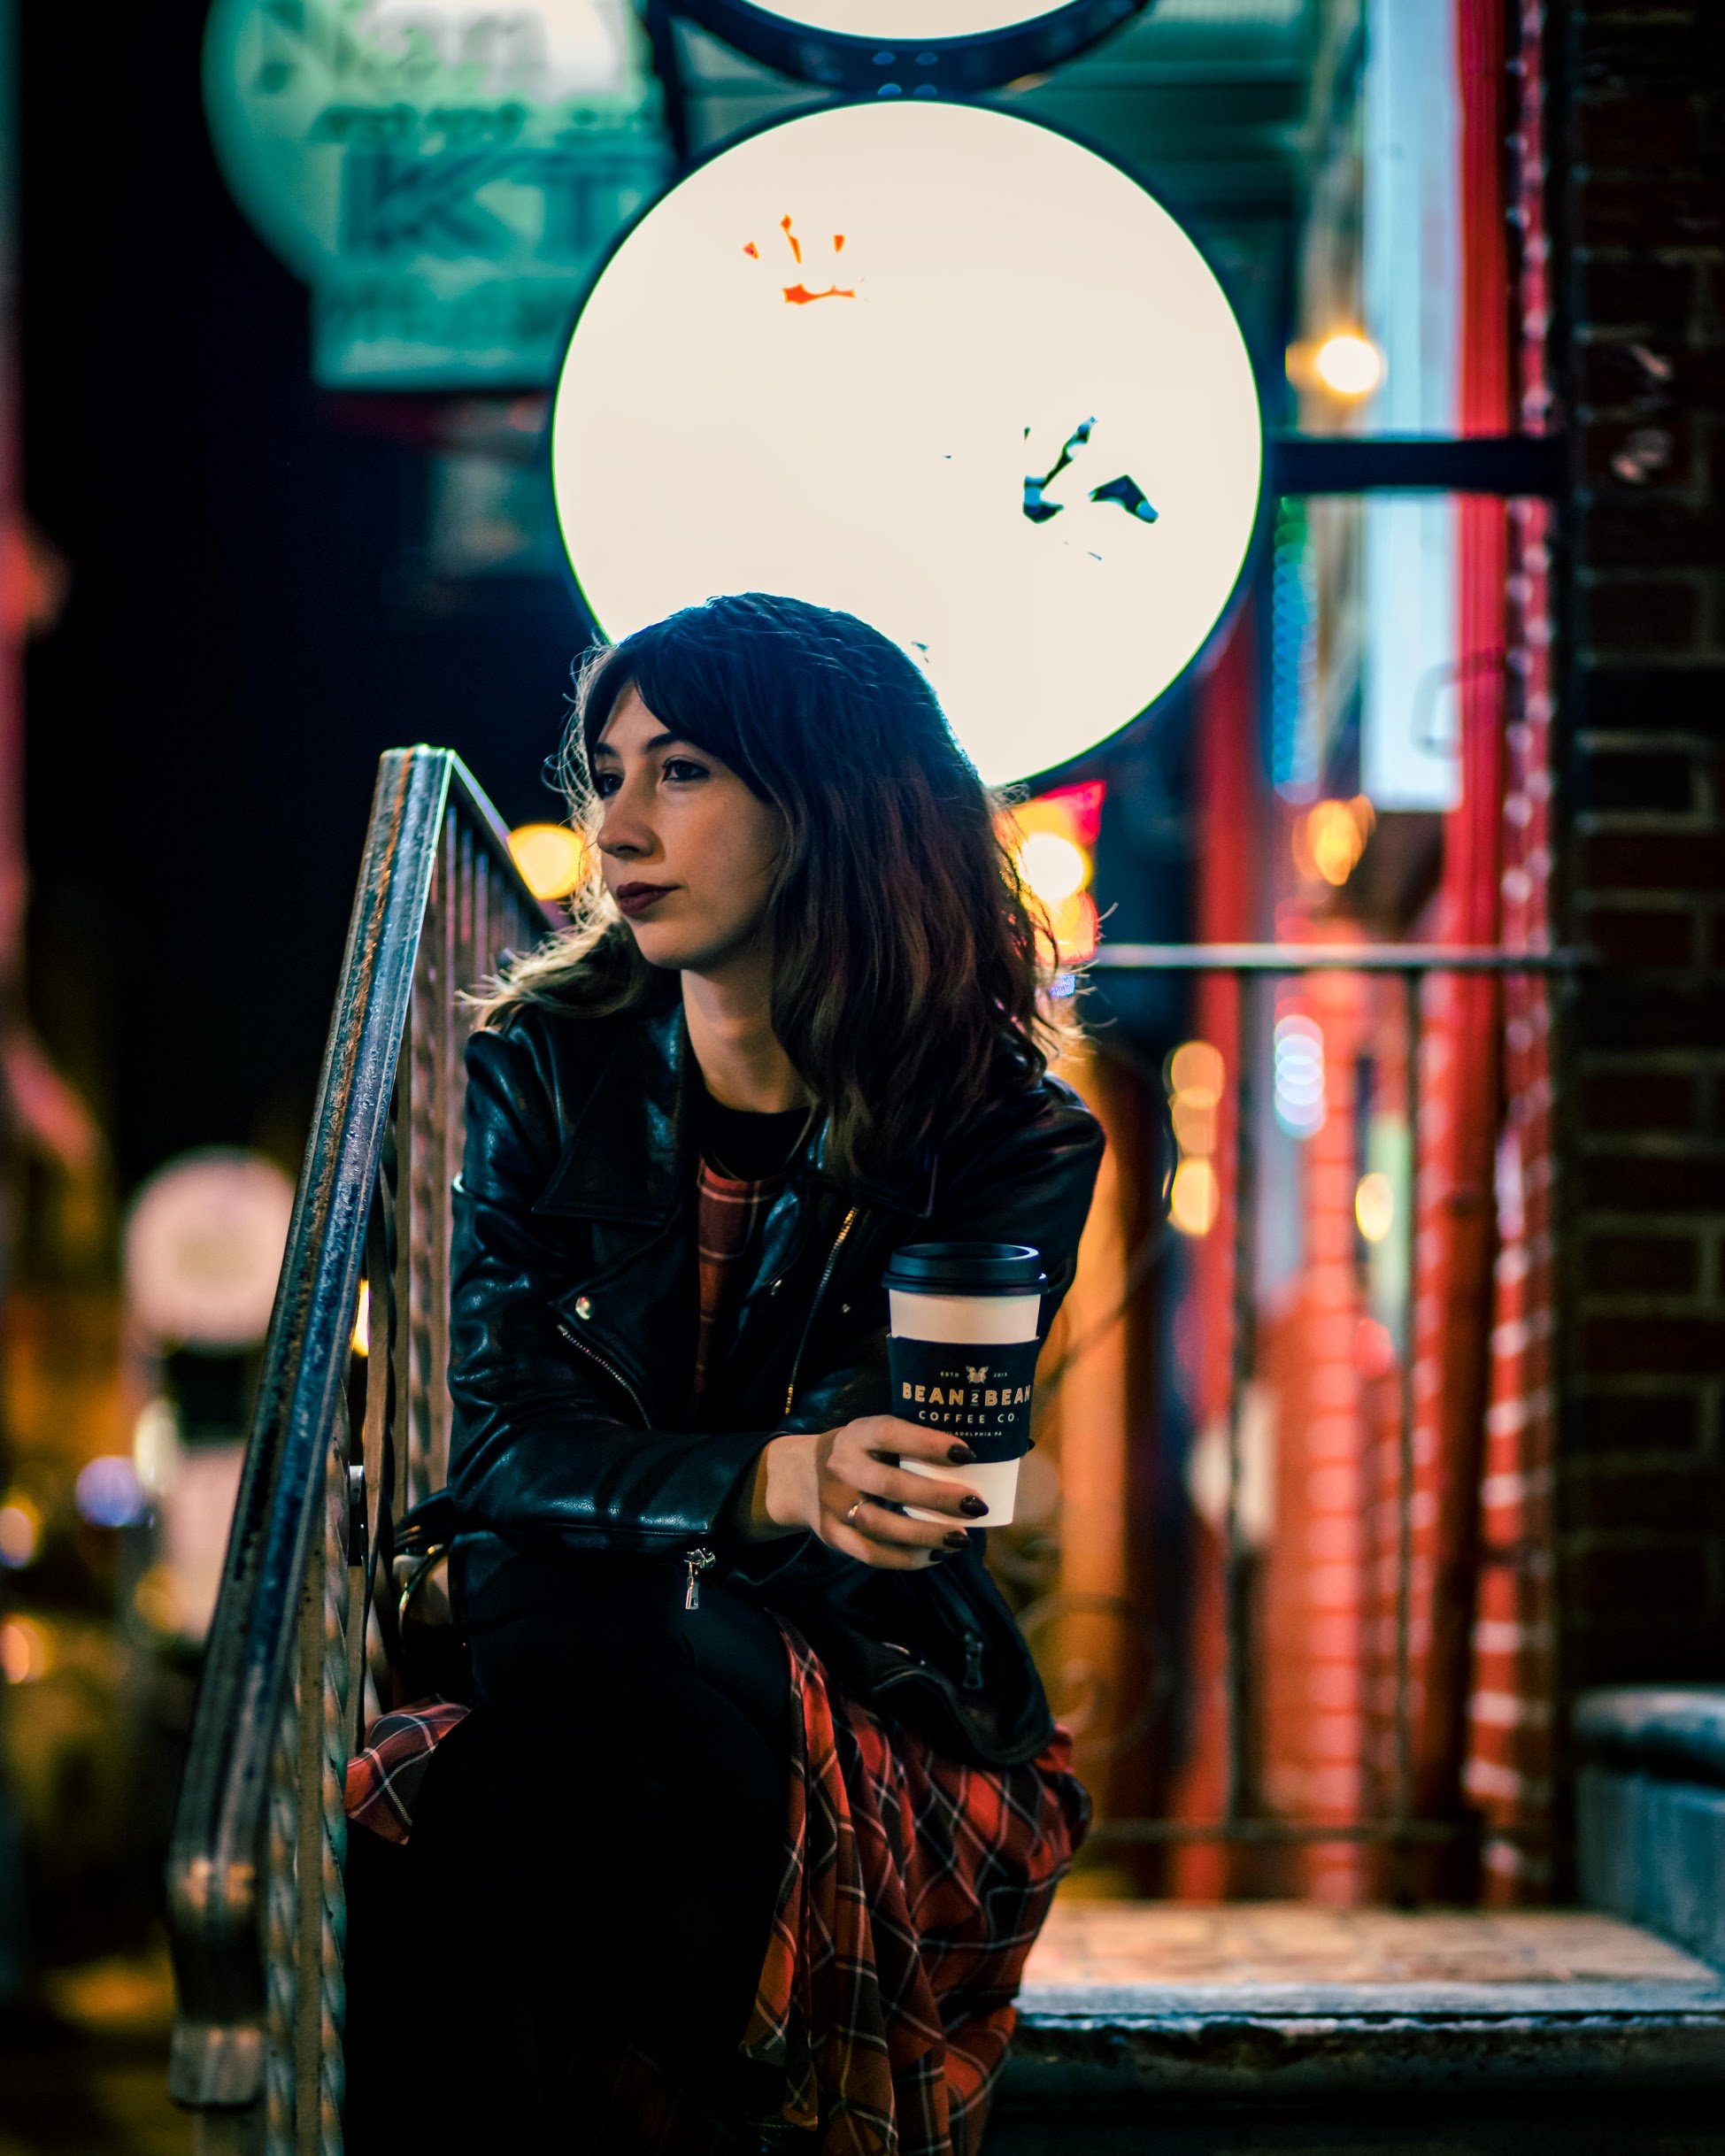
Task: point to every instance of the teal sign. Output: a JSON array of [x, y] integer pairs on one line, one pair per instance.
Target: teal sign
[[446, 178]]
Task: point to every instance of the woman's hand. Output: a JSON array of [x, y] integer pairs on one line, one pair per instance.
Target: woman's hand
[[814, 1479]]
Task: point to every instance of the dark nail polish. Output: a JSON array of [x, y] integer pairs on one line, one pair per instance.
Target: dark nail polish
[[961, 1455], [957, 1540], [936, 1557], [975, 1507]]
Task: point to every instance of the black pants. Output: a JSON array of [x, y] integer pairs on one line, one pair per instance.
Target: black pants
[[596, 1849]]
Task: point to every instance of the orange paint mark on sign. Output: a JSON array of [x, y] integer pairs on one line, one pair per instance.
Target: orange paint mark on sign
[[803, 293]]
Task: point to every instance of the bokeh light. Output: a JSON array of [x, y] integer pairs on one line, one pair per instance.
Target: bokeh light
[[1329, 839], [156, 1446], [21, 1531], [1051, 840], [109, 1493], [552, 857], [1299, 1075], [23, 1651], [155, 1600], [1348, 365], [1195, 1075], [1053, 866], [1375, 1206], [1195, 1198]]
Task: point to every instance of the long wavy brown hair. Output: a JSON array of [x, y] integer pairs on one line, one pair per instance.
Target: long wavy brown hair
[[911, 964]]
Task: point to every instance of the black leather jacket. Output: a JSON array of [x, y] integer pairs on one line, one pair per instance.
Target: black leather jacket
[[573, 1319]]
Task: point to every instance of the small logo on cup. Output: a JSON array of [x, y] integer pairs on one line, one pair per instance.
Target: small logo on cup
[[977, 1375]]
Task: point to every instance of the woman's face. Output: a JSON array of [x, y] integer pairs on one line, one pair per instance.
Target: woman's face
[[674, 816]]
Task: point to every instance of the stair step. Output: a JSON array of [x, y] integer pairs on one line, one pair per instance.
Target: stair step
[[1137, 2013]]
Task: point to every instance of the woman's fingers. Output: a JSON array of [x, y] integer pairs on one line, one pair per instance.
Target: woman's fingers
[[891, 1434], [866, 1463], [861, 1463], [888, 1553], [901, 1487], [874, 1519]]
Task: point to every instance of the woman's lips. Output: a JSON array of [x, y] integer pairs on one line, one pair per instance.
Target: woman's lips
[[641, 901]]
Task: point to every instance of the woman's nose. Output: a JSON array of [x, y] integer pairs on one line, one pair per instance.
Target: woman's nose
[[622, 829]]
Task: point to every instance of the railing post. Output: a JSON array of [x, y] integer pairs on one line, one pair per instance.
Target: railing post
[[1401, 1851], [1242, 1356]]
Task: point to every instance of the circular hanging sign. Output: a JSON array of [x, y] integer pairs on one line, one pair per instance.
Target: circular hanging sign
[[205, 1241], [939, 366], [445, 176], [911, 48]]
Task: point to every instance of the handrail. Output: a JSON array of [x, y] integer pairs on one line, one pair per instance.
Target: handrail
[[1336, 957], [215, 1858]]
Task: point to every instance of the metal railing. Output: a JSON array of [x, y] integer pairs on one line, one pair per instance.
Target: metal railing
[[256, 1902], [1243, 1820]]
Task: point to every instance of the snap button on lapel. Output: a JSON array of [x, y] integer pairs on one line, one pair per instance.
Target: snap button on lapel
[[583, 1306]]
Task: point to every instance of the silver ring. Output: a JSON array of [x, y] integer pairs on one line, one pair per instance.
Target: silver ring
[[850, 1517]]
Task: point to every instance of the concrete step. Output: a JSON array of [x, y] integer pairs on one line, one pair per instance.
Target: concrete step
[[1205, 2032], [1650, 1809]]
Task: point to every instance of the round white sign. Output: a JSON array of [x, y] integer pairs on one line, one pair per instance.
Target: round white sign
[[940, 367], [204, 1246]]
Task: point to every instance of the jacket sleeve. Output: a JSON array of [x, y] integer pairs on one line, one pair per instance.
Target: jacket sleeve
[[1024, 1184], [533, 1446]]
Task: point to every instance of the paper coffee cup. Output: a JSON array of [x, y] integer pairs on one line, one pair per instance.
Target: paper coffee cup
[[962, 1351]]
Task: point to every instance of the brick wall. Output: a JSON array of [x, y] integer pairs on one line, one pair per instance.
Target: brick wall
[[1638, 203]]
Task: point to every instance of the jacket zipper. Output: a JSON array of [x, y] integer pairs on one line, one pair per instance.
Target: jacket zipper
[[826, 1273], [610, 1369], [697, 1558]]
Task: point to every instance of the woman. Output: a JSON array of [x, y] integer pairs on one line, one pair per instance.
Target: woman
[[760, 1804]]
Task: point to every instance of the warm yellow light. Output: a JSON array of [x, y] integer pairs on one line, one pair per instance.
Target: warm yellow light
[[156, 1600], [1196, 1074], [1195, 1198], [362, 1320], [156, 1446], [1075, 926], [550, 857], [1054, 866], [21, 1531], [1375, 1206], [1348, 365], [1330, 837], [1194, 1126], [23, 1651]]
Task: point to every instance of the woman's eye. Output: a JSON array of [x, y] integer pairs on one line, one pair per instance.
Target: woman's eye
[[682, 763]]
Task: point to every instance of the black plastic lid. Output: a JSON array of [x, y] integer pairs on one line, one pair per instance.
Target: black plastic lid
[[967, 1269]]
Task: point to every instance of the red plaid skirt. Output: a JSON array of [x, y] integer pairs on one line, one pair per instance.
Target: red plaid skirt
[[913, 1890]]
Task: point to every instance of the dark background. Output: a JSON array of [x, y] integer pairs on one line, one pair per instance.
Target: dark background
[[246, 628]]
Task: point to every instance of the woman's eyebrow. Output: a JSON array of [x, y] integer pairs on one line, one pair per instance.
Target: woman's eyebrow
[[603, 748]]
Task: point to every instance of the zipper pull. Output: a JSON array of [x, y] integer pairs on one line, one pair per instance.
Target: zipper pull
[[696, 1561], [973, 1662]]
